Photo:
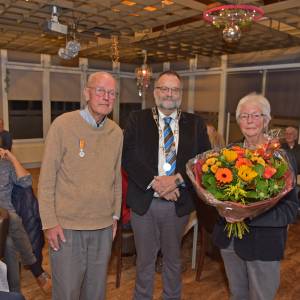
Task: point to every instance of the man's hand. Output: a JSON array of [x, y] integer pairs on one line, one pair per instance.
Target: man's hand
[[171, 196], [164, 184], [53, 236], [114, 227]]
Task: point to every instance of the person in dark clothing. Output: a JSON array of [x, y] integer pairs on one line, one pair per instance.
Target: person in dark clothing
[[5, 137], [252, 264], [12, 173], [158, 143], [291, 145]]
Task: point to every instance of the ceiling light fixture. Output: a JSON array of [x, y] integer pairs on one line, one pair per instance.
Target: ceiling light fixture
[[143, 75], [54, 25], [72, 47], [232, 18]]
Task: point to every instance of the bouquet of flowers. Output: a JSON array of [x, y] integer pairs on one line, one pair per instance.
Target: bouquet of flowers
[[241, 183]]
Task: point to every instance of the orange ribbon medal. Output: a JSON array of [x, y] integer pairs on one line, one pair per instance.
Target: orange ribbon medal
[[81, 147]]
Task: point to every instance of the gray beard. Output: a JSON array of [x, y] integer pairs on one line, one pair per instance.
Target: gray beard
[[173, 106]]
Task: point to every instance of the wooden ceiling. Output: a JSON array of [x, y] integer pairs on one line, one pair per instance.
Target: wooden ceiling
[[169, 30]]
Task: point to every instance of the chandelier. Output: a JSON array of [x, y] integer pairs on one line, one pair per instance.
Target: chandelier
[[143, 75], [232, 18]]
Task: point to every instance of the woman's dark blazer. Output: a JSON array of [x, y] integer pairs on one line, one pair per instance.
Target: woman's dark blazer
[[267, 232]]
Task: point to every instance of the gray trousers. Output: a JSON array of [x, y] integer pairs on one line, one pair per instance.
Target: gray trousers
[[79, 267], [250, 280], [20, 239], [159, 229], [11, 259]]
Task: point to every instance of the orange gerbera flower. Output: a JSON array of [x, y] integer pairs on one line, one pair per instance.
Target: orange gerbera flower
[[243, 161], [224, 175]]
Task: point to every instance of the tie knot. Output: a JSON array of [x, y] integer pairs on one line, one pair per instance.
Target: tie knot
[[167, 120]]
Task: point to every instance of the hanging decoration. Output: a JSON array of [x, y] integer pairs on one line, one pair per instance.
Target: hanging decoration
[[115, 54], [232, 18], [143, 75]]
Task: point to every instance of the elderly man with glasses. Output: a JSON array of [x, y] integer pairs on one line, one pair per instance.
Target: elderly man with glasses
[[157, 144], [80, 192]]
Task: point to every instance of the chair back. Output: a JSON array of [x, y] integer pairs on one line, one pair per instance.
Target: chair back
[[207, 215]]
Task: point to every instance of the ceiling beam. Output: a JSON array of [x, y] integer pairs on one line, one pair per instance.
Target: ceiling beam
[[192, 4], [280, 6]]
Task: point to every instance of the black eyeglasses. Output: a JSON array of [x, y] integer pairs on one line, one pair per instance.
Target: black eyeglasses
[[99, 91], [166, 90]]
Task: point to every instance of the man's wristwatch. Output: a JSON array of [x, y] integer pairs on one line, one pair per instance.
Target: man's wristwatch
[[180, 184]]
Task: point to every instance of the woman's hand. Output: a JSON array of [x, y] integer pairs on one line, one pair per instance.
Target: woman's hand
[[6, 154], [228, 215]]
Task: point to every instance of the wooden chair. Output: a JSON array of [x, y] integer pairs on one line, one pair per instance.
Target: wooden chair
[[124, 245], [207, 217], [193, 223]]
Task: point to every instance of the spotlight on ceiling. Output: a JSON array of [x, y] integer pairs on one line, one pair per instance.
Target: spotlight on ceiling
[[54, 25]]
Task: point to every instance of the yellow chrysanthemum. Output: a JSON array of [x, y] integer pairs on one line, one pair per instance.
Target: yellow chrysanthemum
[[211, 161], [214, 168], [259, 160], [236, 191], [230, 155], [246, 173], [205, 168]]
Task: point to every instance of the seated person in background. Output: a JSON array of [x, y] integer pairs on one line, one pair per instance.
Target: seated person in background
[[215, 138], [4, 291], [291, 145], [5, 137], [12, 173]]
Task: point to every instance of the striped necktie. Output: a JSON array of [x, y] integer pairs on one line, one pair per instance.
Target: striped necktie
[[169, 146]]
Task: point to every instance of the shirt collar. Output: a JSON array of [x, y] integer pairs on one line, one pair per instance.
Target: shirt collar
[[87, 116], [173, 115]]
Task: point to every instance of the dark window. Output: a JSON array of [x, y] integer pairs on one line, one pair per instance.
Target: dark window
[[25, 119], [60, 107]]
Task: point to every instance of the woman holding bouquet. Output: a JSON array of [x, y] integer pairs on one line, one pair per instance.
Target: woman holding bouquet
[[252, 263]]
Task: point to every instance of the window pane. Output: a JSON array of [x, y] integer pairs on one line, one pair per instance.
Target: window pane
[[282, 90], [239, 85], [25, 119], [60, 107]]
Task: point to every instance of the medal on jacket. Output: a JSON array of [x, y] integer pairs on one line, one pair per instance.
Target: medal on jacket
[[81, 147], [166, 167]]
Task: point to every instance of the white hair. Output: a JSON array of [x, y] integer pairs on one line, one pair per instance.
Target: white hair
[[100, 74], [258, 100]]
